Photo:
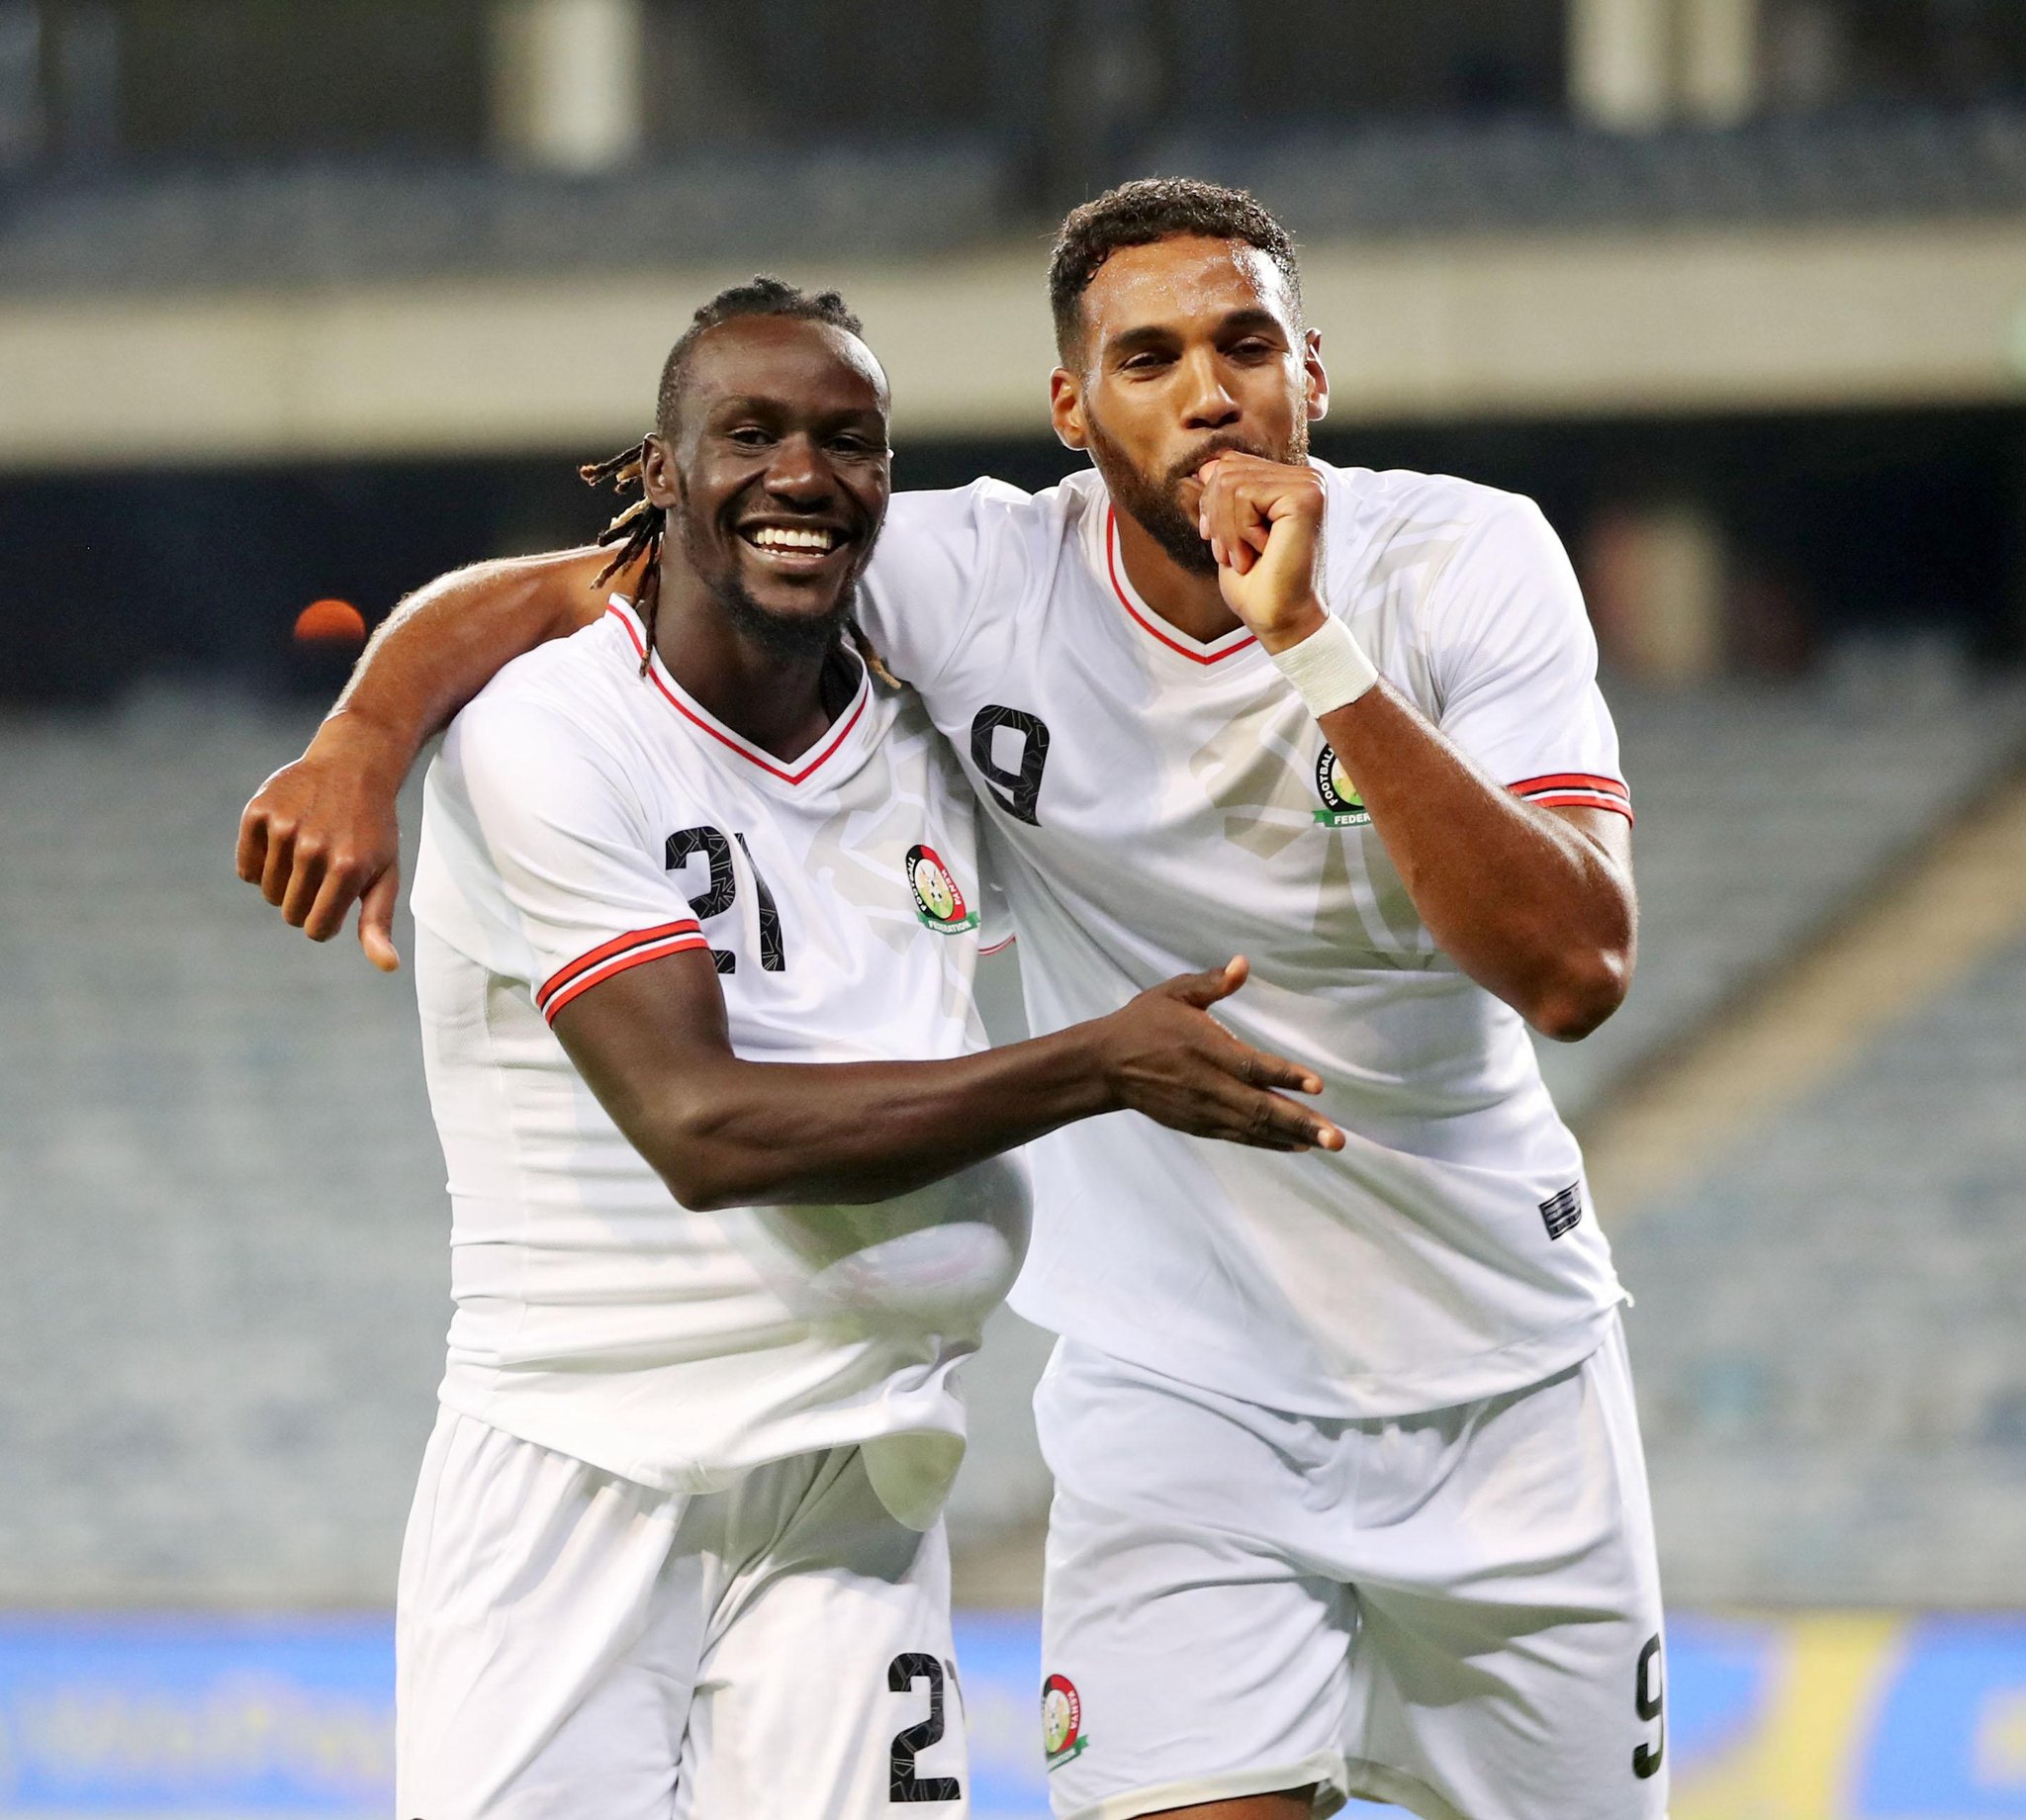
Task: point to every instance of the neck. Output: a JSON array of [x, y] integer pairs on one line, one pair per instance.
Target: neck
[[1190, 602], [774, 699]]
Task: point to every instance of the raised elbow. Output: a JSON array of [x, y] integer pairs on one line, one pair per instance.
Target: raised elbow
[[1586, 991], [686, 1145], [707, 1178], [698, 1190]]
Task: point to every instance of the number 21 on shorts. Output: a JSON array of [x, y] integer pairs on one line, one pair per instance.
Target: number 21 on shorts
[[904, 1784]]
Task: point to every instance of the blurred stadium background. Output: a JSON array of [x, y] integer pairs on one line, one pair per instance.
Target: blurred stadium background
[[304, 301]]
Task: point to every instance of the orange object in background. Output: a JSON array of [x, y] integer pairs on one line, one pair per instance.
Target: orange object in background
[[330, 622]]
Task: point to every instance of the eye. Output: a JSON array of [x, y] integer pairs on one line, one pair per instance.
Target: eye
[[1254, 347], [748, 436], [1143, 363]]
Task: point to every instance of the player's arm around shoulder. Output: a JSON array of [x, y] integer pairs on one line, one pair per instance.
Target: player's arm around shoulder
[[1528, 889], [322, 833]]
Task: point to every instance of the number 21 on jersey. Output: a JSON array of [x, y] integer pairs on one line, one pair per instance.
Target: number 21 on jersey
[[720, 892]]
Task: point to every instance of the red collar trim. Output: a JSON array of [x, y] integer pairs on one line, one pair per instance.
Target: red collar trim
[[1195, 655], [731, 741]]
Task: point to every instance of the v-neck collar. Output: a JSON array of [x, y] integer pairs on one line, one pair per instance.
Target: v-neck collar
[[1108, 559], [783, 771]]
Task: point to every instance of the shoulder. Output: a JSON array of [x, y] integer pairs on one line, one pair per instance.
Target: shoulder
[[985, 524], [554, 712], [1387, 508], [928, 510], [947, 560], [1427, 543]]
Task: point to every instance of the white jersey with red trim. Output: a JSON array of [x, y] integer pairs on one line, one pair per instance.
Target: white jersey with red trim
[[581, 820], [1155, 804]]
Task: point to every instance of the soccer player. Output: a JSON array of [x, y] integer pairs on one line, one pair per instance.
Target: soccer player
[[695, 912], [1349, 1499]]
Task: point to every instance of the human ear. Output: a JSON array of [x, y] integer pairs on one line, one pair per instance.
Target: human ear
[[1315, 380], [657, 478], [1065, 409]]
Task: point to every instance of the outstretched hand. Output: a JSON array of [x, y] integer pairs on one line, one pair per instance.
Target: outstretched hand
[[321, 835], [1169, 1058]]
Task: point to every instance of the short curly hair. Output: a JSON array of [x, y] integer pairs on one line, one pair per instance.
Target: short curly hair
[[1147, 209]]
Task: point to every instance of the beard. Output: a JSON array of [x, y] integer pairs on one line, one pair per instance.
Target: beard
[[1154, 501], [787, 638]]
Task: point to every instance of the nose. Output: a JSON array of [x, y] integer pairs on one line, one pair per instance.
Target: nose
[[1207, 404], [799, 473]]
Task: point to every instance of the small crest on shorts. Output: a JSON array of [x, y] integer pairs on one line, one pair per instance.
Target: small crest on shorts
[[1343, 806], [1062, 1720], [938, 900]]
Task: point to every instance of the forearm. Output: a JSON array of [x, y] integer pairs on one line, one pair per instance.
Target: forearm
[[1522, 900], [741, 1134], [448, 640], [1531, 906]]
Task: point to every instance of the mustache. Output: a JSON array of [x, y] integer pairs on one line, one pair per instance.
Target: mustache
[[1185, 468]]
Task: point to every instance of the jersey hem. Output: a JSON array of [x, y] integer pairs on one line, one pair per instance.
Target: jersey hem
[[1377, 1782], [692, 1478], [1326, 1768], [1370, 1396]]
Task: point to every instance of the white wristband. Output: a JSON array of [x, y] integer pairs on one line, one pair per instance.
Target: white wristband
[[1329, 667]]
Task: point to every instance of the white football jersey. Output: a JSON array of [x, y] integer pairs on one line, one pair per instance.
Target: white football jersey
[[582, 819], [1157, 805]]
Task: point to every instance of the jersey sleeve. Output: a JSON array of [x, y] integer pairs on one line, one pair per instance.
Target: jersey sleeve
[[1513, 663], [939, 557], [551, 815]]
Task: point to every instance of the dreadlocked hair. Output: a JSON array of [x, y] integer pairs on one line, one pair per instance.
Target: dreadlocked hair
[[639, 530]]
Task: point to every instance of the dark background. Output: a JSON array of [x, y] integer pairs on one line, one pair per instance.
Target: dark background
[[1875, 523]]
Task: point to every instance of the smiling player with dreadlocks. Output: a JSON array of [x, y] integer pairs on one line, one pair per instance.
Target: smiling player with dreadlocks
[[695, 945], [1348, 1495], [638, 530]]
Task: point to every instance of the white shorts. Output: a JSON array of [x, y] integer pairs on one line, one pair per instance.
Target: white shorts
[[572, 1646], [1457, 1612]]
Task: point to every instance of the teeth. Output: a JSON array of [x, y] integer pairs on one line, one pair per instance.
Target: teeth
[[780, 537]]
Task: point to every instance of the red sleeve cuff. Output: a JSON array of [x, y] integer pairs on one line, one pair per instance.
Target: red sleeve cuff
[[614, 956], [1576, 789]]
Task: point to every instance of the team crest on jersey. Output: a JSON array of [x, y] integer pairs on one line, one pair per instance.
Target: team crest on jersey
[[1343, 806], [1062, 1720], [938, 902]]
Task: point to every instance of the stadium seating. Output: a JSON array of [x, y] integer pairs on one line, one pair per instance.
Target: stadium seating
[[222, 1314], [376, 220], [1827, 1337], [220, 1197], [350, 222], [1762, 812], [1522, 173]]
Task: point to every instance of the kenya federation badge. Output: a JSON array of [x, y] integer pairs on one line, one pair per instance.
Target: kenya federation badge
[[1062, 1720], [937, 901], [1343, 806]]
